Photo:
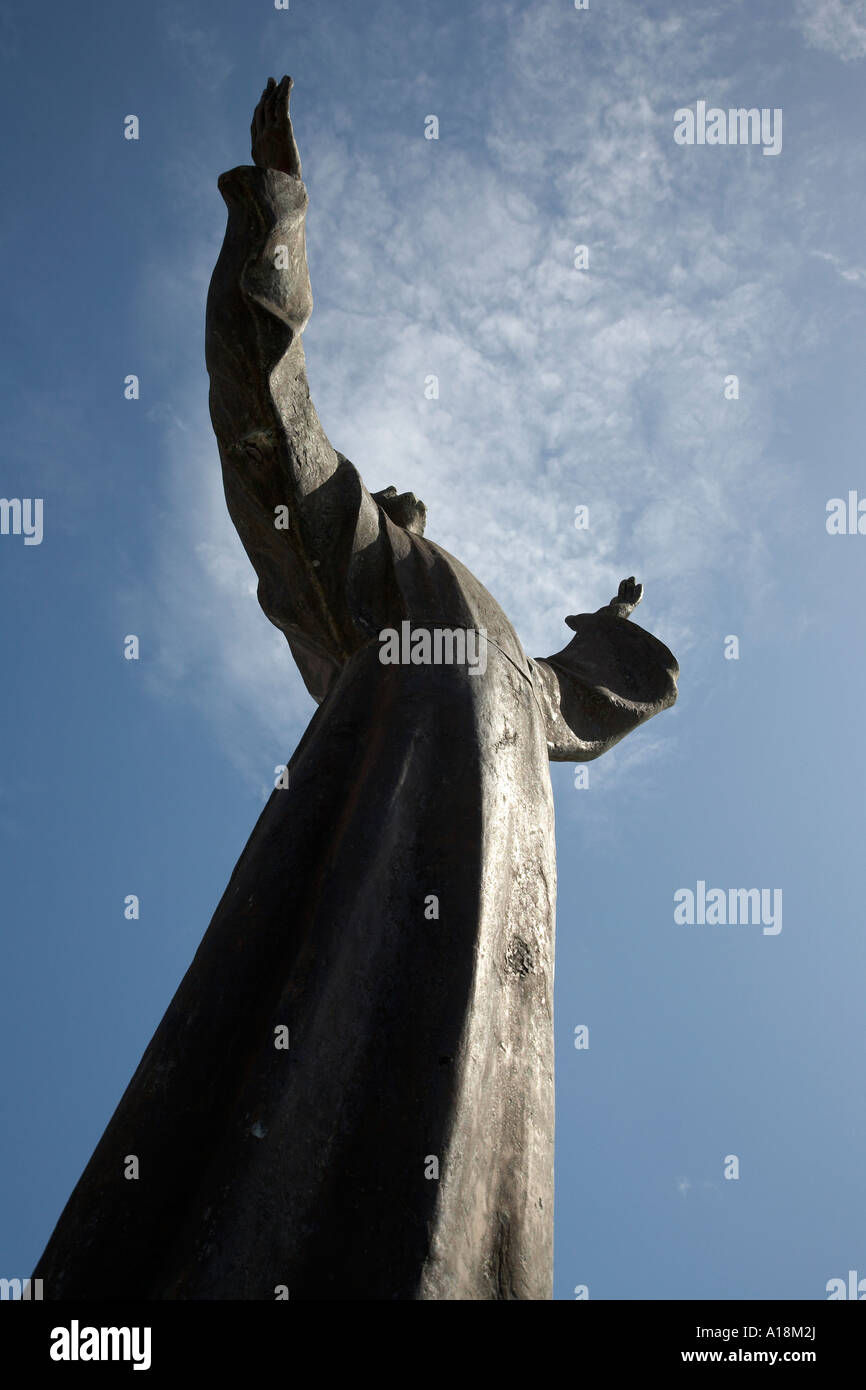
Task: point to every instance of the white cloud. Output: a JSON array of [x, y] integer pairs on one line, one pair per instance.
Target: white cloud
[[558, 387], [851, 274], [836, 26]]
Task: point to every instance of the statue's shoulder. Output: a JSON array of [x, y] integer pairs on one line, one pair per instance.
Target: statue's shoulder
[[463, 600]]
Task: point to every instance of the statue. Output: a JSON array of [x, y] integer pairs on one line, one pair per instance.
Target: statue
[[351, 1094]]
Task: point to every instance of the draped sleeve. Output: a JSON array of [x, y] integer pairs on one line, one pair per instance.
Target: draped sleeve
[[612, 676], [323, 570]]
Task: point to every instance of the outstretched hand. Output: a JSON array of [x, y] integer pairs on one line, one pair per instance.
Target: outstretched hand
[[271, 134], [627, 598], [622, 605]]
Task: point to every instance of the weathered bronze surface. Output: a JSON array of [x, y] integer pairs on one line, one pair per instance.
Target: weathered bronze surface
[[394, 907]]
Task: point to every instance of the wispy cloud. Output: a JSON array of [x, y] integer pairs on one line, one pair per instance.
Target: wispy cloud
[[557, 386], [851, 274], [201, 52], [836, 26], [685, 1185]]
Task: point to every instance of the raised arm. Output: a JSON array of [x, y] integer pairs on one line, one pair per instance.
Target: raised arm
[[307, 522], [612, 676]]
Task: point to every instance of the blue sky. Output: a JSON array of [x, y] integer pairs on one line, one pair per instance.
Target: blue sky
[[559, 387]]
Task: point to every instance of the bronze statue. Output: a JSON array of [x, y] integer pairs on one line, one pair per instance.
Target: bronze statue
[[351, 1094]]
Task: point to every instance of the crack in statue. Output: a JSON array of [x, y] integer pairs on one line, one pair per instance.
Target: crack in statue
[[394, 907]]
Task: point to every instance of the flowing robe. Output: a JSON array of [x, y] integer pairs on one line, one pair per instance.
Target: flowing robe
[[393, 909]]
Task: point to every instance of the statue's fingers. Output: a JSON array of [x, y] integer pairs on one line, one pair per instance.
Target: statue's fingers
[[274, 105], [281, 98], [265, 103], [258, 124]]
